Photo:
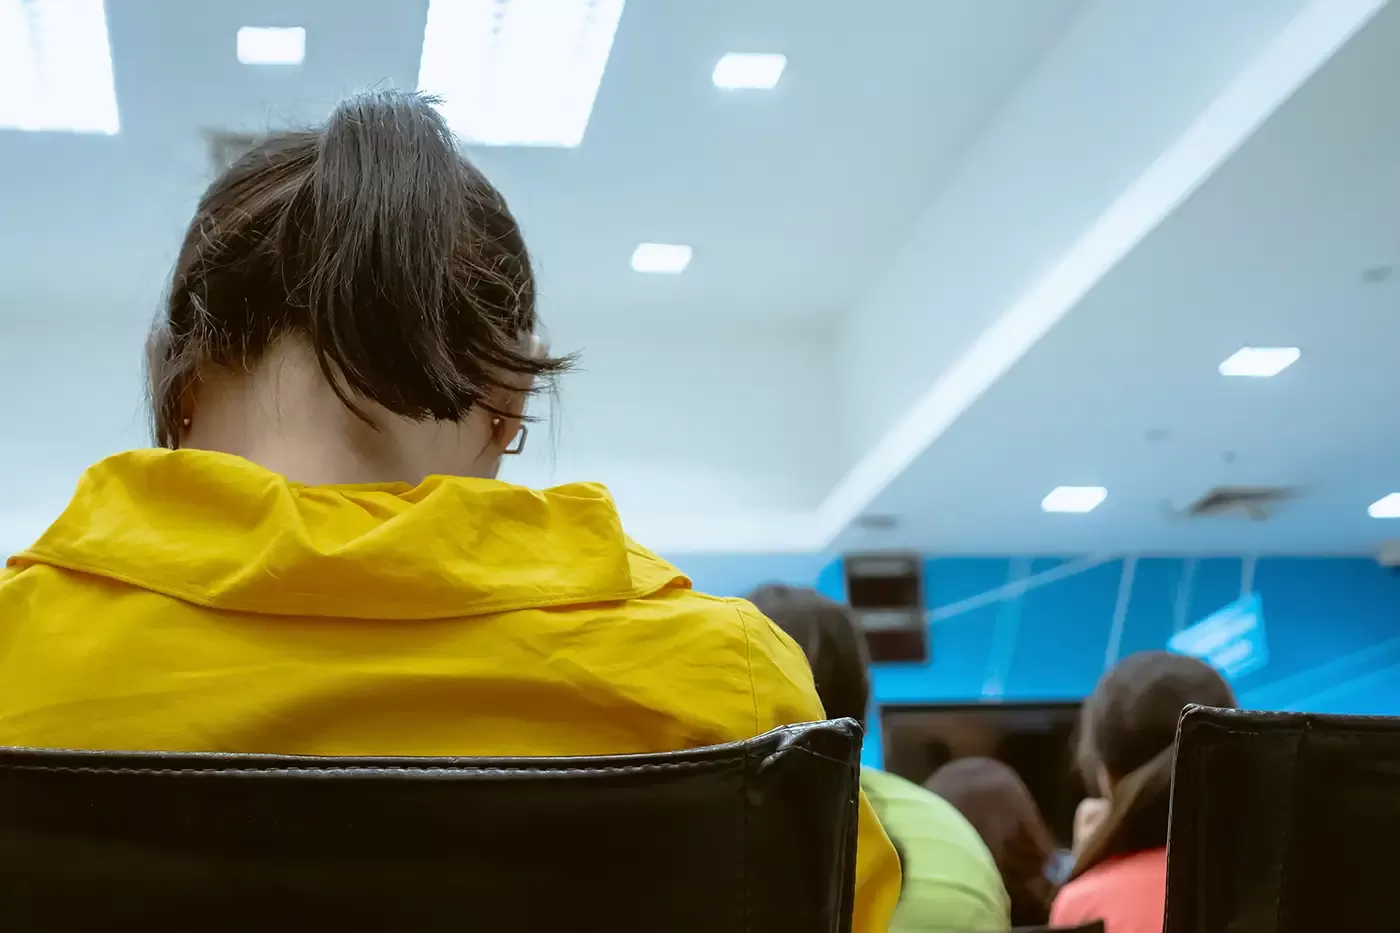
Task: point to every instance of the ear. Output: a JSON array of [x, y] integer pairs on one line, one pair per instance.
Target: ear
[[504, 428], [503, 431], [186, 415]]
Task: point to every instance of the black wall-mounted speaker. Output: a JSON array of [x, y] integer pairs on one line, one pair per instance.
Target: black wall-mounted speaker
[[886, 595]]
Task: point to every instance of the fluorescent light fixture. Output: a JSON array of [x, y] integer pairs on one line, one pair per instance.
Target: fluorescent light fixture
[[271, 45], [669, 258], [517, 72], [1259, 362], [1074, 499], [1385, 507], [56, 67], [752, 71]]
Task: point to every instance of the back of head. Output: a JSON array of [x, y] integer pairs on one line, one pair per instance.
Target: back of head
[[827, 634], [1126, 741], [373, 243], [994, 799]]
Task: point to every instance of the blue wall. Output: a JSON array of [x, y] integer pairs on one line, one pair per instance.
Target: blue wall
[[1047, 627]]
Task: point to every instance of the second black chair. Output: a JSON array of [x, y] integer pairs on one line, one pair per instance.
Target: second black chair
[[1283, 823]]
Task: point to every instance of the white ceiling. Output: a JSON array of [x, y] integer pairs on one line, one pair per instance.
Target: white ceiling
[[1124, 392], [789, 198], [865, 236]]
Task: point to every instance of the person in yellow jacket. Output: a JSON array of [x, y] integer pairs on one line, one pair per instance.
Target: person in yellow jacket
[[319, 560]]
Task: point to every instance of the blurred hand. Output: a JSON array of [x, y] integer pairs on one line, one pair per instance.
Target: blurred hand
[[1087, 817]]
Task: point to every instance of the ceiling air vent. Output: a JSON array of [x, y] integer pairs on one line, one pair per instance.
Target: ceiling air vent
[[877, 522], [225, 148], [1254, 502]]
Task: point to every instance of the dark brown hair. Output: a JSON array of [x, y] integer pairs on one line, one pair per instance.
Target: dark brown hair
[[375, 241], [836, 652], [1128, 729], [827, 634], [1000, 807]]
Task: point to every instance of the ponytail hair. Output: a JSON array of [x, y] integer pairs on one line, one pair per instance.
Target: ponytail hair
[[1127, 734], [374, 241], [1136, 818]]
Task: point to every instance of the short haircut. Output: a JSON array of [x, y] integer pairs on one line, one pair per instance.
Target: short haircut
[[828, 635], [373, 240]]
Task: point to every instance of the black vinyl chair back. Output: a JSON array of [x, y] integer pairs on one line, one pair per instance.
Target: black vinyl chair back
[[754, 836], [1283, 823]]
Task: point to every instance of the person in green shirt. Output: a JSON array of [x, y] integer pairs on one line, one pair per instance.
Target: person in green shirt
[[951, 883]]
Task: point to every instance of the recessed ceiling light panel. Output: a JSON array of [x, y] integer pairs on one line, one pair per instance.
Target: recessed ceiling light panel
[[1074, 499], [271, 45], [749, 71], [56, 67], [517, 72], [1259, 362], [671, 258], [1385, 507]]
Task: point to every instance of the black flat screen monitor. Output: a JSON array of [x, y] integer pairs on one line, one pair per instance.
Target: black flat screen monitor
[[1035, 739]]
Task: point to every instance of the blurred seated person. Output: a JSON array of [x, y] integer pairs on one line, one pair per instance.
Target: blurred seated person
[[951, 883], [1000, 807], [1127, 737], [318, 559]]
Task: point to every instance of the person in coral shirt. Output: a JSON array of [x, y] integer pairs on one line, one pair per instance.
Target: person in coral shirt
[[1127, 739]]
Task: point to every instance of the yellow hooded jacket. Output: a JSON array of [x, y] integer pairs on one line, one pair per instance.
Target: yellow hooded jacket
[[192, 601]]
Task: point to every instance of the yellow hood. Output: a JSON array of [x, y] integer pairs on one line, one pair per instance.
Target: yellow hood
[[218, 531]]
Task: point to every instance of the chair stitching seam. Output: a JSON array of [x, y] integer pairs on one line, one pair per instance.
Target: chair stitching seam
[[371, 770]]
